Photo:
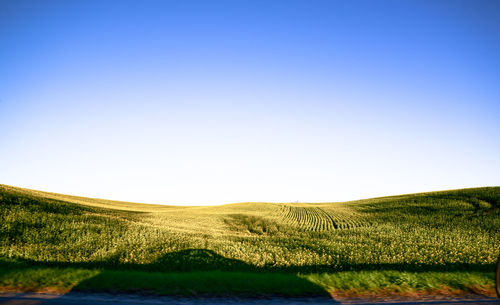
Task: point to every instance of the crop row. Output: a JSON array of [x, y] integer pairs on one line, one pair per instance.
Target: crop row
[[317, 219]]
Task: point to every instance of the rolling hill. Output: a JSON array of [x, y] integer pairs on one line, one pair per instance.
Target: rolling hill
[[451, 237]]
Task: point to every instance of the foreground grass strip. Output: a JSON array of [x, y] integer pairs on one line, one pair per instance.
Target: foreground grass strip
[[212, 283], [40, 279], [397, 282], [216, 283]]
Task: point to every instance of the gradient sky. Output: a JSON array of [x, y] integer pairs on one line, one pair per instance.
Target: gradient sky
[[212, 102]]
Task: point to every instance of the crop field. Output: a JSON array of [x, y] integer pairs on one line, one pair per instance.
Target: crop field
[[426, 242]]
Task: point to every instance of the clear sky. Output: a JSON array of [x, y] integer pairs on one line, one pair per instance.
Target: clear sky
[[212, 102]]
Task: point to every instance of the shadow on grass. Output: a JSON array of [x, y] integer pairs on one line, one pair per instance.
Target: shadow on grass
[[192, 272], [196, 272]]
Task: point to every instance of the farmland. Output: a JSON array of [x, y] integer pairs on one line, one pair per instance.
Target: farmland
[[435, 241]]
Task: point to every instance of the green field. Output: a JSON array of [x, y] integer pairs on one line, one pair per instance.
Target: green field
[[445, 241]]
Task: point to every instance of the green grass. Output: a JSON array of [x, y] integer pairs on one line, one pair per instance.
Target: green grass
[[214, 283], [223, 283], [417, 242]]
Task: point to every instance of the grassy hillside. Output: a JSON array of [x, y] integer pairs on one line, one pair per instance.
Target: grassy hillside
[[401, 241]]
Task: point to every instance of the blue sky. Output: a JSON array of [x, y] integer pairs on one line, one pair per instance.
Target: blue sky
[[211, 102]]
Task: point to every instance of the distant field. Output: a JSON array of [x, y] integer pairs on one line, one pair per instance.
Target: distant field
[[427, 242]]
